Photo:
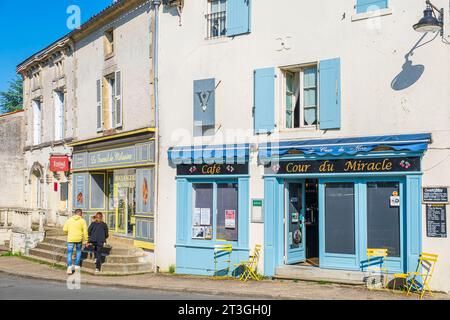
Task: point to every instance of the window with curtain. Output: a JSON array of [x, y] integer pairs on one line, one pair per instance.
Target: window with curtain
[[216, 18], [301, 97]]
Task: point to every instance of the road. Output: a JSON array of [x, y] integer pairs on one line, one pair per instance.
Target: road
[[17, 288]]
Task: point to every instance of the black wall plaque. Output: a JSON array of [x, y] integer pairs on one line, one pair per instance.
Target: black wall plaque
[[435, 194], [436, 220], [405, 164], [211, 169]]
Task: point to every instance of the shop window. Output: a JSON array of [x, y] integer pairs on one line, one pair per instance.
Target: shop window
[[227, 210], [301, 97], [383, 217], [221, 198], [97, 191], [340, 218], [216, 19], [202, 211]]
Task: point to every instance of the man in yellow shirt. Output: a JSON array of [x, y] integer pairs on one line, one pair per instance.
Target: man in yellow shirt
[[77, 232]]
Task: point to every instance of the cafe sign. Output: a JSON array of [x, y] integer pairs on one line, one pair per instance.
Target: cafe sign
[[59, 163], [359, 165], [211, 169]]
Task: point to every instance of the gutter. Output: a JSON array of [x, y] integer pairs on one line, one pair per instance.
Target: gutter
[[156, 4]]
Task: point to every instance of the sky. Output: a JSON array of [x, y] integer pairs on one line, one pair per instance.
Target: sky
[[27, 26]]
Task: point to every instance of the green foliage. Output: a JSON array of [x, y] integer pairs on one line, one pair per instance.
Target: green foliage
[[11, 254], [172, 269], [11, 99]]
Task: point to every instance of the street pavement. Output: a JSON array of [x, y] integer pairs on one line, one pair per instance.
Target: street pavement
[[184, 286], [18, 288]]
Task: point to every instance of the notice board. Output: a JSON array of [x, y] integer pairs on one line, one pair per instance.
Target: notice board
[[436, 220]]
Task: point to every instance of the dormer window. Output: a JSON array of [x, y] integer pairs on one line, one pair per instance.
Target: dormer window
[[109, 43]]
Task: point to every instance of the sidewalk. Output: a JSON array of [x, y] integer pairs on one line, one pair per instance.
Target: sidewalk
[[266, 289]]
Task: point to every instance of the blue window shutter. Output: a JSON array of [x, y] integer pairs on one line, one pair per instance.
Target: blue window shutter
[[238, 17], [370, 5], [264, 100], [330, 94], [204, 102]]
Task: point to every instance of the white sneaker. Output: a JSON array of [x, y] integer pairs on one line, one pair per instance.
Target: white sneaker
[[97, 271], [69, 270], [77, 268]]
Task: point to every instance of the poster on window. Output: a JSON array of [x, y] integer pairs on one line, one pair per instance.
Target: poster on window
[[196, 217], [205, 216], [230, 219], [198, 232], [208, 233]]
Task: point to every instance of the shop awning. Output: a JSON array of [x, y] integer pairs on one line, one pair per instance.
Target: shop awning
[[345, 146], [226, 153]]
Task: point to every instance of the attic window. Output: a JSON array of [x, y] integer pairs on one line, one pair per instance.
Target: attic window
[[109, 43]]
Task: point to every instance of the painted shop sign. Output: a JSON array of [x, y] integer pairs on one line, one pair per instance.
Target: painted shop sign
[[211, 169], [435, 195], [436, 220], [108, 157], [407, 164], [135, 154]]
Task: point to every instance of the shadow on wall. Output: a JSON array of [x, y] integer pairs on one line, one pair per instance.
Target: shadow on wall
[[410, 73]]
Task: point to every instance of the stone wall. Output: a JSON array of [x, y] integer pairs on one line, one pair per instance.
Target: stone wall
[[11, 159]]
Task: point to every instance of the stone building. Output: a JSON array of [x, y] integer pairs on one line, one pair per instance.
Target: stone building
[[48, 86]]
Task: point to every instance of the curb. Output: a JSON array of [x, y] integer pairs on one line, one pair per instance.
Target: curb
[[151, 287]]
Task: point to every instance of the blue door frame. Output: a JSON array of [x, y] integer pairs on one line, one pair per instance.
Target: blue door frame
[[411, 231], [295, 253]]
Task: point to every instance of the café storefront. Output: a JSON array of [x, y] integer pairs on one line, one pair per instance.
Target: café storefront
[[212, 205], [327, 201], [115, 175]]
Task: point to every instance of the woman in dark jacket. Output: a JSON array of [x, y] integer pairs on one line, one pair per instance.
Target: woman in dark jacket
[[98, 233]]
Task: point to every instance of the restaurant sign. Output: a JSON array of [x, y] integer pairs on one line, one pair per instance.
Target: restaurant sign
[[363, 165], [211, 169], [59, 163]]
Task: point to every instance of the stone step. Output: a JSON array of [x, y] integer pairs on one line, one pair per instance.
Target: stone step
[[62, 247], [60, 255], [308, 273], [120, 270]]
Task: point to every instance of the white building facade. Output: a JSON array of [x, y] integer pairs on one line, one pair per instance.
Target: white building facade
[[310, 128]]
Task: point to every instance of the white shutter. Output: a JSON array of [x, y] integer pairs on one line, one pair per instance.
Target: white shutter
[[99, 106], [118, 100], [62, 113], [36, 122]]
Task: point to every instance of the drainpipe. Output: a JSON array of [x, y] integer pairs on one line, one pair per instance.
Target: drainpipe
[[156, 4]]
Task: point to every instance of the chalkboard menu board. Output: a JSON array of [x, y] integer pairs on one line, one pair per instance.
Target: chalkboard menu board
[[436, 221], [435, 194]]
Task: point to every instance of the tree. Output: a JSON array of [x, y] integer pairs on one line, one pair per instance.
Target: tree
[[11, 99]]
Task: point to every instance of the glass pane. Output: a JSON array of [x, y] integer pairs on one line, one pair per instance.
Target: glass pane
[[383, 220], [124, 202], [340, 218], [310, 116], [202, 203], [309, 78], [227, 211], [294, 210], [310, 97], [289, 93]]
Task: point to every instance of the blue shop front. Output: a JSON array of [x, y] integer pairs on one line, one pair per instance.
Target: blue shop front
[[327, 201], [212, 206]]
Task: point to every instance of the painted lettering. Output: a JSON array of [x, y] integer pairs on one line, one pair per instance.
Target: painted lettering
[[326, 166]]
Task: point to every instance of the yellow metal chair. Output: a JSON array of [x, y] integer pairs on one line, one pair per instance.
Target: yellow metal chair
[[222, 250], [376, 262], [250, 266], [425, 270]]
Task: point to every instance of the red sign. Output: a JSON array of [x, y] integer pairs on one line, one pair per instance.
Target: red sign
[[59, 163]]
